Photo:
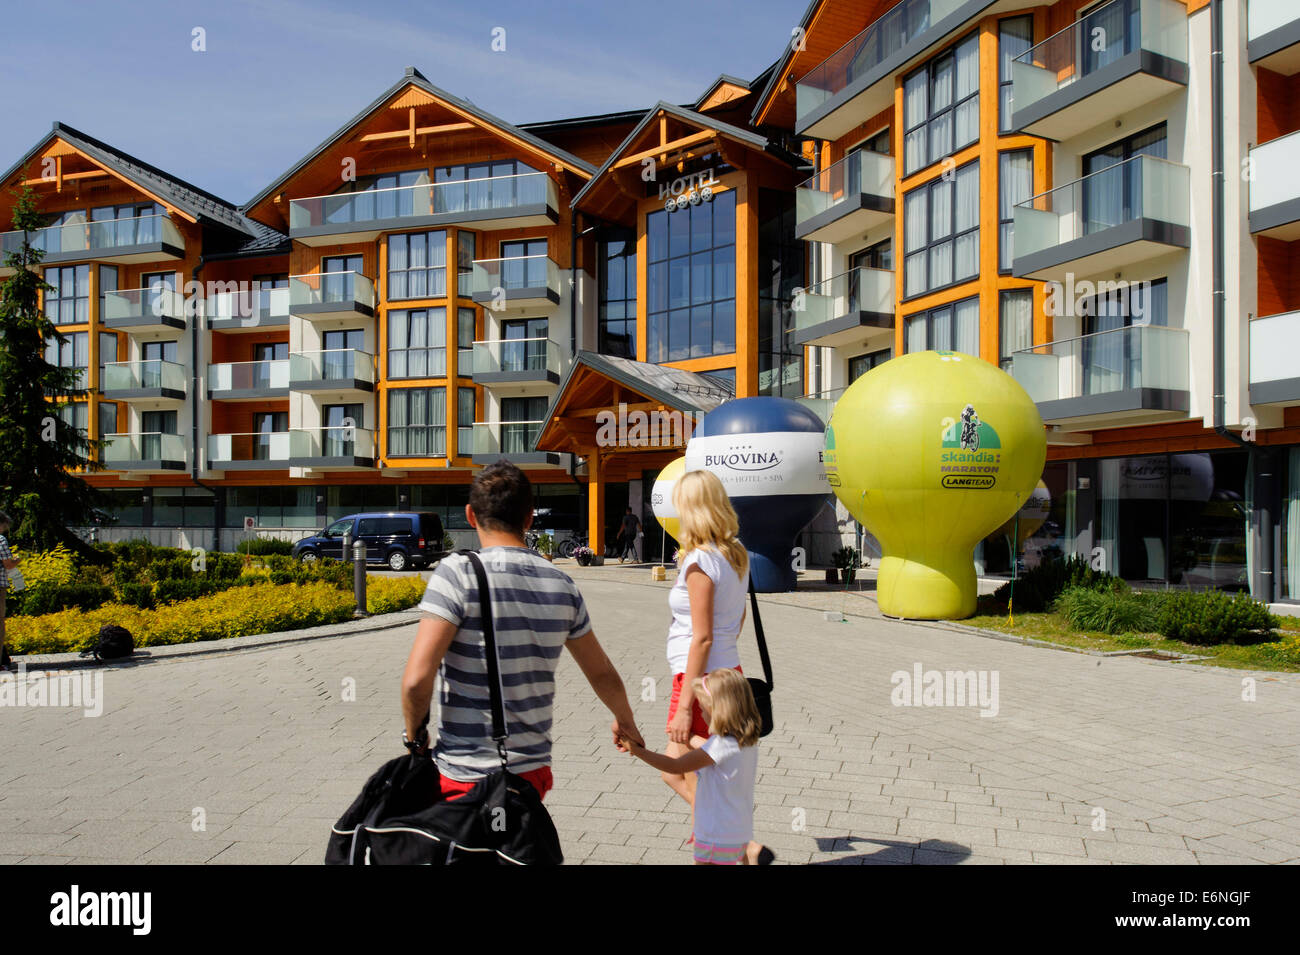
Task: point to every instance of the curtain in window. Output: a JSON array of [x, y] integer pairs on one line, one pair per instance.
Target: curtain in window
[[1015, 184], [397, 364], [915, 109], [1016, 321], [916, 334], [418, 362], [968, 79], [967, 220], [966, 327], [1108, 536], [914, 237]]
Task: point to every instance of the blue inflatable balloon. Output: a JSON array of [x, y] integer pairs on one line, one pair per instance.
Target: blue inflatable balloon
[[768, 454]]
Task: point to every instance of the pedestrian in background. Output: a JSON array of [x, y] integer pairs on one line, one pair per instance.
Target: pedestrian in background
[[7, 563]]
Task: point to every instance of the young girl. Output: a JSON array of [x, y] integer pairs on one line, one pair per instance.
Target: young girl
[[726, 765]]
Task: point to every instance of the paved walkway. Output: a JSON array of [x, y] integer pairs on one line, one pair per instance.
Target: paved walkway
[[263, 749]]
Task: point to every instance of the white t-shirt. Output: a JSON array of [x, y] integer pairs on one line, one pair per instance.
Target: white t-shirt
[[728, 612], [724, 793]]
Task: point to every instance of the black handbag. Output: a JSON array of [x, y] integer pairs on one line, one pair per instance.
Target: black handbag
[[762, 689], [401, 817]]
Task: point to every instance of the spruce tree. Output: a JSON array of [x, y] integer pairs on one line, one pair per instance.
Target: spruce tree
[[39, 450]]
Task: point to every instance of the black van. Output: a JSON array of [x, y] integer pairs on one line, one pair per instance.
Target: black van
[[399, 539]]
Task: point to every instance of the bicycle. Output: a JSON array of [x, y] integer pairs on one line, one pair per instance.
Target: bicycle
[[570, 544]]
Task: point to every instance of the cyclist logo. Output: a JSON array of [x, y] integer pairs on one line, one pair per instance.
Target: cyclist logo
[[970, 423]]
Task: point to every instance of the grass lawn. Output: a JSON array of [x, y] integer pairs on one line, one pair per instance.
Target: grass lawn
[[1283, 655]]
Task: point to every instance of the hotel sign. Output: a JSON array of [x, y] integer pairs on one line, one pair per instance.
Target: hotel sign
[[687, 190]]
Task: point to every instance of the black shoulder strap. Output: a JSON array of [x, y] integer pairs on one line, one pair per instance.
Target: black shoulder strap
[[499, 732], [758, 631]]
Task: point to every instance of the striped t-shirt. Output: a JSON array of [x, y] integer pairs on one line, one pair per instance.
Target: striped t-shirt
[[535, 609]]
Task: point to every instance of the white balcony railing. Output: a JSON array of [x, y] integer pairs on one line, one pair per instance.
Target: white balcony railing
[[344, 365], [145, 375], [1121, 359], [238, 449], [148, 446], [1273, 168], [505, 437], [539, 355], [857, 290], [249, 376], [499, 196]]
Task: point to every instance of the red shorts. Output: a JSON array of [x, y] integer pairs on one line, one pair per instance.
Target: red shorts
[[699, 725], [540, 778]]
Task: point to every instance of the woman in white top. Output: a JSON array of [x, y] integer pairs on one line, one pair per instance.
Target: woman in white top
[[708, 607]]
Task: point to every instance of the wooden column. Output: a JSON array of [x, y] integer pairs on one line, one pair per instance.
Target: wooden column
[[595, 503]]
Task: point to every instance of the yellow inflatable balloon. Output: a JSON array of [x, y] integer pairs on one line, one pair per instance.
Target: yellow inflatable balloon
[[931, 452], [661, 496]]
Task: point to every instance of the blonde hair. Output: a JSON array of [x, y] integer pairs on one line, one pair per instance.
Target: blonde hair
[[707, 519], [730, 701]]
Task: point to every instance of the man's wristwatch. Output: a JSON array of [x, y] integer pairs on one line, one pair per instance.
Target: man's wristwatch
[[420, 743]]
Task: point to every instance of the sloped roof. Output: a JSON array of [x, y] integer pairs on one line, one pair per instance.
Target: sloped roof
[[754, 139], [414, 77], [203, 205], [674, 387]]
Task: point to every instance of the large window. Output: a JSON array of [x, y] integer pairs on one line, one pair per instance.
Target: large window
[[524, 345], [465, 406], [1112, 189], [133, 223], [466, 321], [691, 280], [1015, 184], [780, 271], [859, 365], [417, 422], [72, 352], [1015, 36], [617, 284], [954, 327], [271, 506], [521, 422], [941, 106], [417, 265], [941, 232], [417, 343], [499, 184], [380, 197], [466, 246], [1015, 323], [183, 507], [67, 301]]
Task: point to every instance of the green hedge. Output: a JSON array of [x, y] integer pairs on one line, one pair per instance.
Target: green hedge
[[1037, 588], [1213, 617]]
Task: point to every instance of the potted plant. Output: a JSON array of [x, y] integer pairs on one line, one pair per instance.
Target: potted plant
[[846, 559], [583, 555], [546, 546]]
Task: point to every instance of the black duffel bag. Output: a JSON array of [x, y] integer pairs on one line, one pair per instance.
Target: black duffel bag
[[401, 817]]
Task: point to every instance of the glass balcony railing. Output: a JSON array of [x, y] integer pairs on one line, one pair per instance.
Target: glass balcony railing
[[1274, 342], [539, 355], [868, 50], [344, 365], [99, 239], [149, 446], [330, 291], [1138, 188], [822, 403], [479, 198], [505, 437], [249, 307], [1121, 359], [858, 290], [1265, 16], [143, 305], [860, 173], [150, 375], [1274, 180], [465, 440], [248, 376], [245, 448], [1096, 40], [332, 443], [513, 275]]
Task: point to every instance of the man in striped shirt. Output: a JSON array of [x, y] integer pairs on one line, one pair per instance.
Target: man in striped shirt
[[537, 612]]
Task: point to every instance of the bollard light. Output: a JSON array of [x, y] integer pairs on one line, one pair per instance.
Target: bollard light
[[359, 577]]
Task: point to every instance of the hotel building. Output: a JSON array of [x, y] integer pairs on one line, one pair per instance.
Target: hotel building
[[433, 288]]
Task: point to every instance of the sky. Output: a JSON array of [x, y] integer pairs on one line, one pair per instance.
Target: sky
[[277, 78]]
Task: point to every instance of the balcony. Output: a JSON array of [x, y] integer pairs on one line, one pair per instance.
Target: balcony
[[336, 370], [338, 448], [1275, 188], [249, 380], [1131, 212], [121, 241], [1273, 35], [1274, 377], [142, 380], [251, 311], [528, 281], [857, 80], [822, 403], [248, 452], [143, 310], [514, 441], [518, 360], [501, 202], [1066, 85], [324, 295], [1125, 376], [144, 452], [846, 199], [845, 309]]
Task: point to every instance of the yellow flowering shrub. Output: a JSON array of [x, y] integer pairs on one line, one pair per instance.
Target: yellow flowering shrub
[[389, 594], [238, 612], [53, 568]]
